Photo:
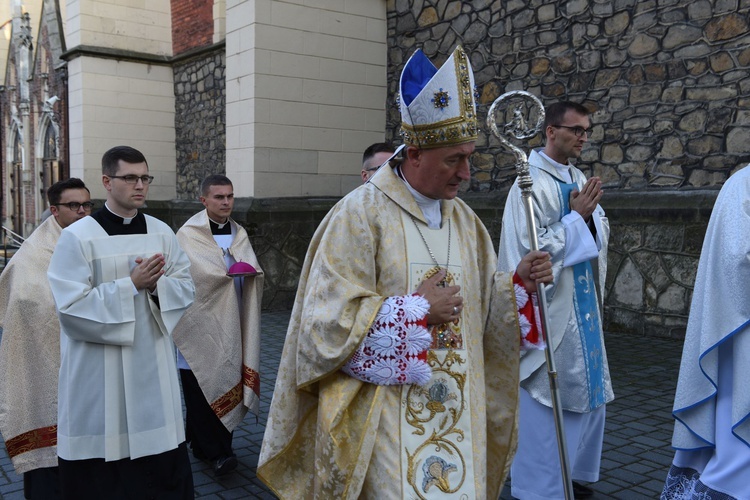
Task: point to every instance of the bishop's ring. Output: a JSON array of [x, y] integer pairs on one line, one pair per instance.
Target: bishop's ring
[[455, 310]]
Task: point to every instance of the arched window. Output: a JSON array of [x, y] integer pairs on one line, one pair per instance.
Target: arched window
[[50, 172]]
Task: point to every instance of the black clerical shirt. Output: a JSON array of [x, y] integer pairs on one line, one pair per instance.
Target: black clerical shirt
[[115, 225]]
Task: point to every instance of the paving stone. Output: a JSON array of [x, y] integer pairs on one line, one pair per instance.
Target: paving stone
[[636, 452]]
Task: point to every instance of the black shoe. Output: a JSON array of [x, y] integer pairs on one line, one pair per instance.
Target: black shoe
[[581, 491], [225, 465], [198, 453]]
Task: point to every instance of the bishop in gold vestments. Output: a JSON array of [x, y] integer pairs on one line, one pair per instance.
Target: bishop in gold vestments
[[331, 434]]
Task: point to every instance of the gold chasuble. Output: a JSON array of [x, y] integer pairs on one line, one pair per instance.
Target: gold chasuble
[[30, 353], [219, 338], [330, 435]]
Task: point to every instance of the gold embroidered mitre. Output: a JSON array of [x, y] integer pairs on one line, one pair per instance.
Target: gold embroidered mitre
[[437, 106]]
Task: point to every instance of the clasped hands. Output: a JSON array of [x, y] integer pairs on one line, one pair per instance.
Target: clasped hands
[[147, 272], [585, 201], [446, 304]]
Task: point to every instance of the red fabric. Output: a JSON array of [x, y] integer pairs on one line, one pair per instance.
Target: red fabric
[[527, 308]]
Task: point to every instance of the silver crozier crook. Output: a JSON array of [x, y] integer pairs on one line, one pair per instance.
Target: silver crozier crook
[[519, 128]]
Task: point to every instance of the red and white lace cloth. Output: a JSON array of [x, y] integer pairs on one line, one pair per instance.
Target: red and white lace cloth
[[394, 351], [528, 317]]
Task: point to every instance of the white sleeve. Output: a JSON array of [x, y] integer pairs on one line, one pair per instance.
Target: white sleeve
[[580, 244], [105, 313]]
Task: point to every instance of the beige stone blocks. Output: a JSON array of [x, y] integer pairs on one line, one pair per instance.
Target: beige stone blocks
[[132, 25], [317, 88], [120, 102]]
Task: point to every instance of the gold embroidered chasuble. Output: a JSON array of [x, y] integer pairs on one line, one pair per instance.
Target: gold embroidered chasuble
[[30, 353], [332, 436], [219, 339]]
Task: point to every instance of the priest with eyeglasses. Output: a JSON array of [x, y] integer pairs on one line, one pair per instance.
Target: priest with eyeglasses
[[121, 283], [572, 227]]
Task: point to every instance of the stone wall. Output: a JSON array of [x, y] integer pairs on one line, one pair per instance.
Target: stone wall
[[653, 258], [668, 82], [200, 119], [653, 252]]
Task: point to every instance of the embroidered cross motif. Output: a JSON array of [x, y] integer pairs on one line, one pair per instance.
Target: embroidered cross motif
[[441, 99]]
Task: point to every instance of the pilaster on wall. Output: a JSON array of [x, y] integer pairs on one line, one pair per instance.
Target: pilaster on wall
[[306, 89], [121, 87], [114, 103], [220, 20]]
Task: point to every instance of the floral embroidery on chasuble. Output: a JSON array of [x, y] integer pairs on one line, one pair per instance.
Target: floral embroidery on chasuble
[[437, 458]]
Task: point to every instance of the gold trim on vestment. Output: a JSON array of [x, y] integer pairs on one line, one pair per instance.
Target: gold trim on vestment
[[251, 379], [228, 401], [42, 437]]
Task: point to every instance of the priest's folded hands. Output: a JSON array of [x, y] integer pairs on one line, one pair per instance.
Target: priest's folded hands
[[147, 272]]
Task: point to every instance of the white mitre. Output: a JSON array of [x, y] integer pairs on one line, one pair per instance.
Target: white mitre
[[437, 106]]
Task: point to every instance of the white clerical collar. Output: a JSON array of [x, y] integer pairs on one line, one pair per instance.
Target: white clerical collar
[[430, 207], [562, 170], [125, 220], [221, 225]]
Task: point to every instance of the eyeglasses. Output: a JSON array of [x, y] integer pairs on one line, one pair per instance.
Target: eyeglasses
[[578, 131], [75, 206], [133, 179]]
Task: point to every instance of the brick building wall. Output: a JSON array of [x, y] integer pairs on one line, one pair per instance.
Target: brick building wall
[[192, 24]]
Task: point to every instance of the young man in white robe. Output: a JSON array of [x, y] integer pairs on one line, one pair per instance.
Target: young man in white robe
[[30, 349], [219, 336], [572, 227], [121, 283], [399, 376], [712, 403]]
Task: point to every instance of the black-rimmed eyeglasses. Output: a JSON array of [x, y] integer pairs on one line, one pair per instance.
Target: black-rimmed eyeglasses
[[578, 131], [75, 206], [133, 179]]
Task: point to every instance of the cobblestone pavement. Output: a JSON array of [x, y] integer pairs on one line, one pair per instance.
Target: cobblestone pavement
[[636, 444]]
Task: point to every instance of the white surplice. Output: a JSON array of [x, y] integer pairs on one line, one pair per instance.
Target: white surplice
[[119, 395]]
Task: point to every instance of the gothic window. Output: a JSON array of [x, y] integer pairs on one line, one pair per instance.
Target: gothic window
[[50, 165]]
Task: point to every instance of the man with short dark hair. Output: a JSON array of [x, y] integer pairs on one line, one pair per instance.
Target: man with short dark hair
[[572, 227], [30, 349], [121, 283], [219, 336], [374, 156]]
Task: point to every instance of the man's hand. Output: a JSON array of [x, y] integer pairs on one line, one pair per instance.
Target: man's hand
[[535, 267], [585, 201], [146, 273], [445, 303]]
